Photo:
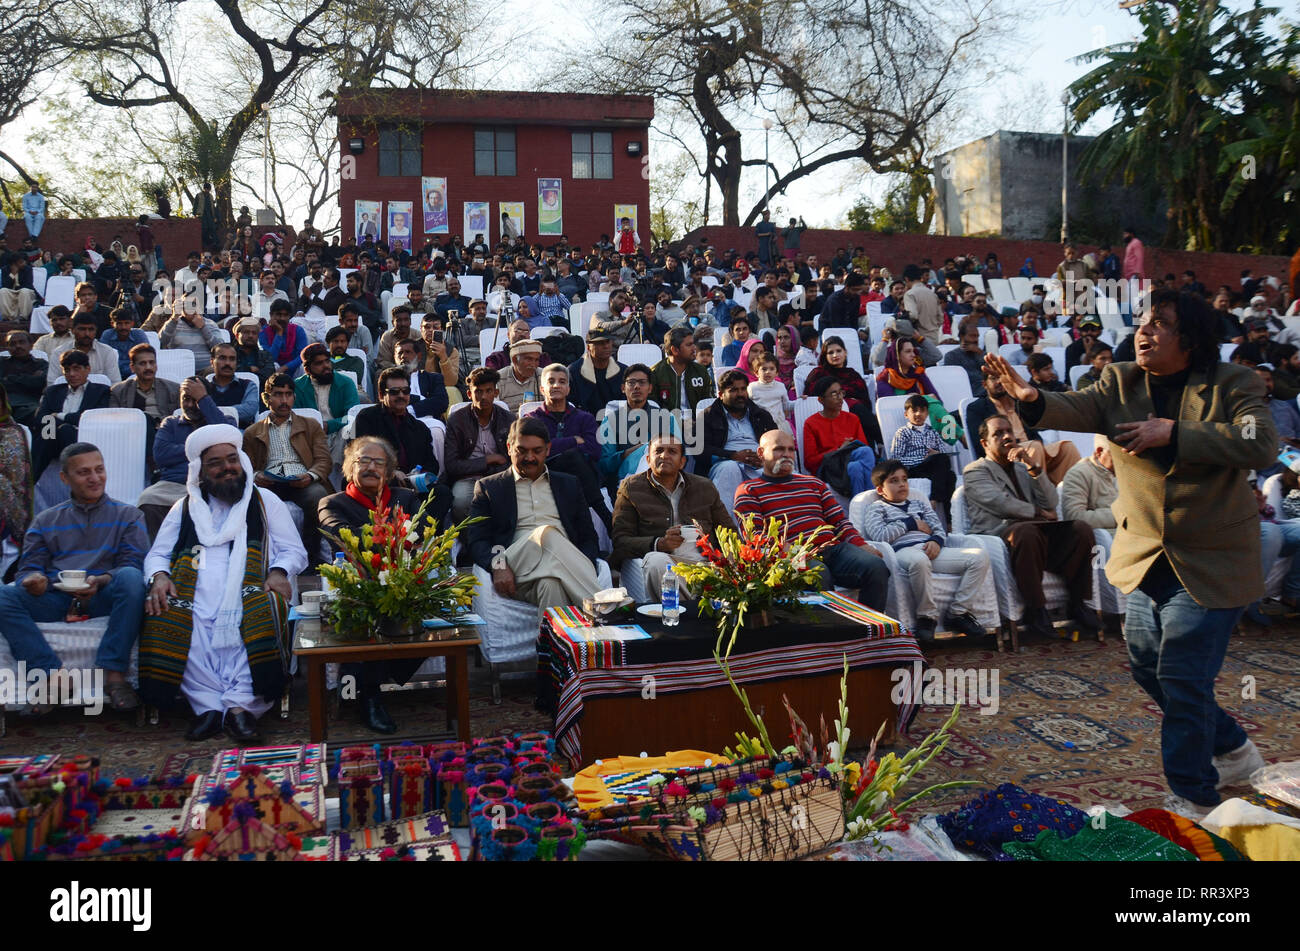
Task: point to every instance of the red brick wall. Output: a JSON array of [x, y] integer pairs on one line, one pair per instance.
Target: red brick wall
[[896, 251], [178, 236], [541, 151]]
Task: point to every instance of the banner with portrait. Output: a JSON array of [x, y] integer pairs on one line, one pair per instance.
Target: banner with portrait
[[511, 215], [433, 192], [621, 212], [399, 225], [476, 221], [369, 220], [550, 206]]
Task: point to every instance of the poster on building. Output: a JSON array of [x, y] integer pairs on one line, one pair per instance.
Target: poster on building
[[476, 221], [368, 220], [434, 192], [550, 206], [511, 214], [399, 225], [627, 212]]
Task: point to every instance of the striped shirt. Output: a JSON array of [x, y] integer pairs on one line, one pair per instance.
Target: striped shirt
[[895, 523], [803, 501], [911, 444], [98, 538]]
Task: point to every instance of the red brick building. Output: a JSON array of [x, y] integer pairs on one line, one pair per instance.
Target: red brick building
[[493, 147]]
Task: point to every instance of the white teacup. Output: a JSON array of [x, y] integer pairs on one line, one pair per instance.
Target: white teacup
[[690, 535], [311, 601], [72, 579]]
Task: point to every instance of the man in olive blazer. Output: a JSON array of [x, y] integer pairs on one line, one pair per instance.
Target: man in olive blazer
[[1187, 430]]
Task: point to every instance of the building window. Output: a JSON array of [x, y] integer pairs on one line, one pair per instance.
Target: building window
[[399, 152], [593, 155], [494, 151]]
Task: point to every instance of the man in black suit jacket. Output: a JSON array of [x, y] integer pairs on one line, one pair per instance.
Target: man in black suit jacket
[[55, 428], [537, 540], [327, 295], [428, 391], [411, 438]]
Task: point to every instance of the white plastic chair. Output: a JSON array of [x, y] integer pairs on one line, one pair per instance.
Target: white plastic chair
[[1076, 372], [60, 290], [1058, 360], [801, 374], [528, 406], [889, 413], [233, 413], [952, 383], [311, 413], [154, 340], [1226, 351], [804, 409], [647, 353], [537, 333], [999, 289], [492, 339], [120, 434], [39, 277], [471, 286], [175, 365], [974, 280], [1021, 289], [250, 377]]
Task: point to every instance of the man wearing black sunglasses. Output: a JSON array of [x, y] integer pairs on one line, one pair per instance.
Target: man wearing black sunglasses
[[411, 437]]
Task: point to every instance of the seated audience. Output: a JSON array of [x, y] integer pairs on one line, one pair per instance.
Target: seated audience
[[677, 382], [917, 536], [417, 467], [190, 330], [60, 336], [733, 426], [291, 457], [92, 533], [23, 377], [1042, 373], [102, 357], [771, 393], [653, 508], [1098, 357], [336, 339], [834, 363], [197, 409], [536, 538], [828, 432], [1009, 494], [226, 389], [1089, 488], [439, 356], [574, 448], [213, 635], [521, 382], [283, 340], [330, 394], [597, 379], [806, 505], [1057, 457], [400, 330], [476, 440], [61, 407], [629, 426], [122, 336], [428, 393], [969, 356], [249, 355], [920, 449], [500, 359]]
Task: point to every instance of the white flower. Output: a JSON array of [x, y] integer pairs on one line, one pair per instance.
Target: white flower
[[383, 577], [412, 537]]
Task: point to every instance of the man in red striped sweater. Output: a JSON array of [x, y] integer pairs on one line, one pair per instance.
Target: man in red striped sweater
[[807, 505]]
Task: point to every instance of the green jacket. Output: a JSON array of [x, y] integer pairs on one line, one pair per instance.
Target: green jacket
[[343, 396], [666, 390]]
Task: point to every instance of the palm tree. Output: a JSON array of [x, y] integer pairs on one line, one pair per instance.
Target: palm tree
[[1182, 94]]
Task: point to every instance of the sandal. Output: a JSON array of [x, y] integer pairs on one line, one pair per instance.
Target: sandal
[[121, 696]]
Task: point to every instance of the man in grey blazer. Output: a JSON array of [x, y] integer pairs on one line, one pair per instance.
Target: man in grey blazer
[[1004, 497], [156, 397]]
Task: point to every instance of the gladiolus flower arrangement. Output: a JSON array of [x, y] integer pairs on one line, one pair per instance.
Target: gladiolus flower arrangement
[[396, 571]]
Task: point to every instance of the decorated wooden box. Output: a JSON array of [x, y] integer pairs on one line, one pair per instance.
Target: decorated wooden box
[[361, 794], [294, 809], [448, 763], [144, 794], [246, 838], [431, 825], [440, 850], [116, 835], [301, 765], [410, 787]]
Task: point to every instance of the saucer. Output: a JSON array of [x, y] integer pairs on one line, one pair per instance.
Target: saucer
[[70, 590], [651, 610]]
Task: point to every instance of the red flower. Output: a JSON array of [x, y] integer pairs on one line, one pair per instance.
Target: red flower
[[376, 560]]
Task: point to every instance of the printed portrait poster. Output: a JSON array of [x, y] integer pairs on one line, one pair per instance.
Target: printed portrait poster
[[550, 206], [399, 225], [476, 221], [515, 211], [621, 212], [369, 221], [433, 193]]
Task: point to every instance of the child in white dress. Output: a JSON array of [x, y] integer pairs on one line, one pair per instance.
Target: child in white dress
[[770, 393]]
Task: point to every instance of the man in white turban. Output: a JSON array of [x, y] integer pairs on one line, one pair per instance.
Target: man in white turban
[[219, 574]]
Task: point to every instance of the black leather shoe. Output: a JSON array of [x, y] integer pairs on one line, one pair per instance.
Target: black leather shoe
[[375, 716], [1039, 623], [965, 624], [204, 725], [241, 726], [925, 628]]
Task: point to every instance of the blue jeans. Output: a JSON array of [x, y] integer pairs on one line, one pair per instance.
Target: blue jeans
[[1281, 540], [861, 461], [122, 600], [853, 566], [1176, 648]]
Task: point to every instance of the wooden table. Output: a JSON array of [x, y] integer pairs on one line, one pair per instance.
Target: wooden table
[[316, 649]]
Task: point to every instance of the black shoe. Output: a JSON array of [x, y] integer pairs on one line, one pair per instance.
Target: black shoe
[[925, 627], [1255, 615], [1039, 623], [241, 726], [375, 716], [204, 725], [1086, 618], [965, 624]]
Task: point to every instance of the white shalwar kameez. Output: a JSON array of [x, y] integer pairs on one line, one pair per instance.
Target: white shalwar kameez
[[217, 676]]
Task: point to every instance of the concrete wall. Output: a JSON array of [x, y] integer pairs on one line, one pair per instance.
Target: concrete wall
[[896, 251], [966, 182]]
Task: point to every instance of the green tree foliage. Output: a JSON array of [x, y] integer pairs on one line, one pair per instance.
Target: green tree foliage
[[1206, 105]]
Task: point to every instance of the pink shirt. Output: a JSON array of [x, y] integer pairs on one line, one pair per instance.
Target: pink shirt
[[1134, 259]]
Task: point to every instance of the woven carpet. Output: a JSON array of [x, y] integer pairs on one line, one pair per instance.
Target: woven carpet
[[1070, 721]]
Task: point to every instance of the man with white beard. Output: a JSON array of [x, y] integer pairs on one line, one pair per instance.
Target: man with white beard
[[216, 630]]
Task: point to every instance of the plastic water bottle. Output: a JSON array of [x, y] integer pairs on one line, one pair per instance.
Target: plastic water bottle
[[668, 598], [325, 584]]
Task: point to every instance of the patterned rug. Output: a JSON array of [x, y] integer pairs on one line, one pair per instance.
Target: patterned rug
[[1070, 721]]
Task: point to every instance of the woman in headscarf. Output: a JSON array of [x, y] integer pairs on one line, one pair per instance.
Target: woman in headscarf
[[902, 373], [785, 351], [834, 363], [16, 486], [753, 347]]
